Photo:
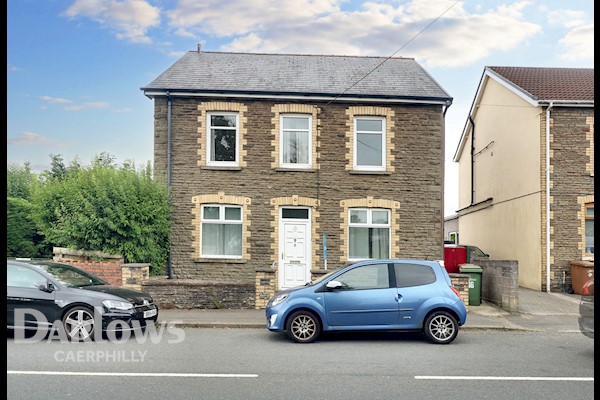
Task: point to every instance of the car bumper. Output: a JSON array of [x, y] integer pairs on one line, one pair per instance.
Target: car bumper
[[275, 320], [115, 321]]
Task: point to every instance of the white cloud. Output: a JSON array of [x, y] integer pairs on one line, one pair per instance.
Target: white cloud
[[567, 18], [131, 19], [29, 139], [460, 37], [97, 104], [239, 17], [579, 43], [55, 100]]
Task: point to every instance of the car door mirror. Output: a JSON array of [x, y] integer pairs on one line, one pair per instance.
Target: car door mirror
[[334, 285], [44, 286]]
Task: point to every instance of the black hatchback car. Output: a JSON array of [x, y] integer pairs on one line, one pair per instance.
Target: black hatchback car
[[42, 293]]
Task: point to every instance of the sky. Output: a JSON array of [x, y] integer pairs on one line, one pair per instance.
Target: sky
[[75, 67]]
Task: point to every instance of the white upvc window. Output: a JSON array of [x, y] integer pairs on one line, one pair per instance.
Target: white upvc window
[[589, 229], [369, 231], [369, 143], [221, 234], [296, 141], [222, 139]]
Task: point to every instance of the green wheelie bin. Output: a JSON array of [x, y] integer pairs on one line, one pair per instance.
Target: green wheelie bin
[[475, 272]]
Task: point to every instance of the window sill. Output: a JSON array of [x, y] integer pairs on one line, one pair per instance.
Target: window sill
[[358, 172], [281, 169], [221, 168], [220, 260]]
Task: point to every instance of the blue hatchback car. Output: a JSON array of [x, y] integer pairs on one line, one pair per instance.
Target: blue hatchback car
[[372, 295]]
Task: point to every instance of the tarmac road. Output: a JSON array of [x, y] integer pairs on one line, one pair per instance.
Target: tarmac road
[[195, 363]]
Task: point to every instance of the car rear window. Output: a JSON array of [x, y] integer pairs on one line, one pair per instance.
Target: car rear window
[[413, 274]]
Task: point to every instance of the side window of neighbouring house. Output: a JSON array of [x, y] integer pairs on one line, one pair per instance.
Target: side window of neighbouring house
[[296, 138], [369, 143], [454, 237], [222, 138], [413, 275], [221, 231], [369, 233], [589, 228]]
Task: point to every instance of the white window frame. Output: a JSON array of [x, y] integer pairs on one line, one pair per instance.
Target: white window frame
[[209, 145], [282, 144], [585, 236], [383, 165], [221, 221], [369, 224]]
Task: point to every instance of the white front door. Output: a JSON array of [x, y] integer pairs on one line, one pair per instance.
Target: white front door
[[294, 247]]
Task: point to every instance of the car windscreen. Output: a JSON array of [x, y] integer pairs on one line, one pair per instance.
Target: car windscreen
[[71, 276], [327, 275]]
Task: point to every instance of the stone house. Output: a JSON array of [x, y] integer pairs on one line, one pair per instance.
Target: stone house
[[526, 171], [284, 166]]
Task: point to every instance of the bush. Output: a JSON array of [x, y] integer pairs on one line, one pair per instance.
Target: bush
[[22, 239], [102, 207]]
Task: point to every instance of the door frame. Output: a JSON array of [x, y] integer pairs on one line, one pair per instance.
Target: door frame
[[281, 247]]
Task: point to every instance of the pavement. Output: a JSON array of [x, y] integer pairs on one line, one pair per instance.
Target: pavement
[[538, 312]]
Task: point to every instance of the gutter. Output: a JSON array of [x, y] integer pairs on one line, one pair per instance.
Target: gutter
[[550, 105], [151, 93]]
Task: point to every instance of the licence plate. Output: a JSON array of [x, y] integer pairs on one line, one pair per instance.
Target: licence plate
[[149, 313]]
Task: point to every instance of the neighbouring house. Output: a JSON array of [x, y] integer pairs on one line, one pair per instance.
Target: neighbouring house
[[282, 166], [526, 171]]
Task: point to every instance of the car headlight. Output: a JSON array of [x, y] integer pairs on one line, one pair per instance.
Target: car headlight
[[280, 298], [117, 305]]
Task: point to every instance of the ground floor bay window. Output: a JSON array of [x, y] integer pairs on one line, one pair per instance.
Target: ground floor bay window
[[221, 231], [369, 233]]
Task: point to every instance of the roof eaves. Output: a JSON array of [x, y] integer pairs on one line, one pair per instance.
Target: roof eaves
[[155, 92]]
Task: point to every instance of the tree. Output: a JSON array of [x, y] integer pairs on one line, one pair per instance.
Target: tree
[[103, 207], [22, 238], [19, 180]]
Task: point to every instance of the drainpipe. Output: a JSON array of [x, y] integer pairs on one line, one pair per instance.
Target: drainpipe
[[548, 196], [472, 160], [169, 106]]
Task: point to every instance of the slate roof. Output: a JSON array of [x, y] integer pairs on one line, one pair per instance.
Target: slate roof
[[305, 75], [545, 84]]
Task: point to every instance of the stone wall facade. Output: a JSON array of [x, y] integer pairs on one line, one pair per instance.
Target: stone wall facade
[[571, 187], [193, 293], [412, 182]]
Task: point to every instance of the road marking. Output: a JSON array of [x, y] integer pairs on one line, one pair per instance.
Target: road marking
[[141, 374], [508, 378]]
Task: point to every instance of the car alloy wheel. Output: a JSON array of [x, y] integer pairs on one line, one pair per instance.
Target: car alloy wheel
[[303, 327], [79, 324], [441, 327]]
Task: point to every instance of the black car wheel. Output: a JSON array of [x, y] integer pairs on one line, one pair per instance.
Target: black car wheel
[[79, 324], [441, 327], [303, 327]]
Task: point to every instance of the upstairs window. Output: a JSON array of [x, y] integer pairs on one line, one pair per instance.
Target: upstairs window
[[369, 143], [296, 138], [223, 138], [369, 233], [221, 231]]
